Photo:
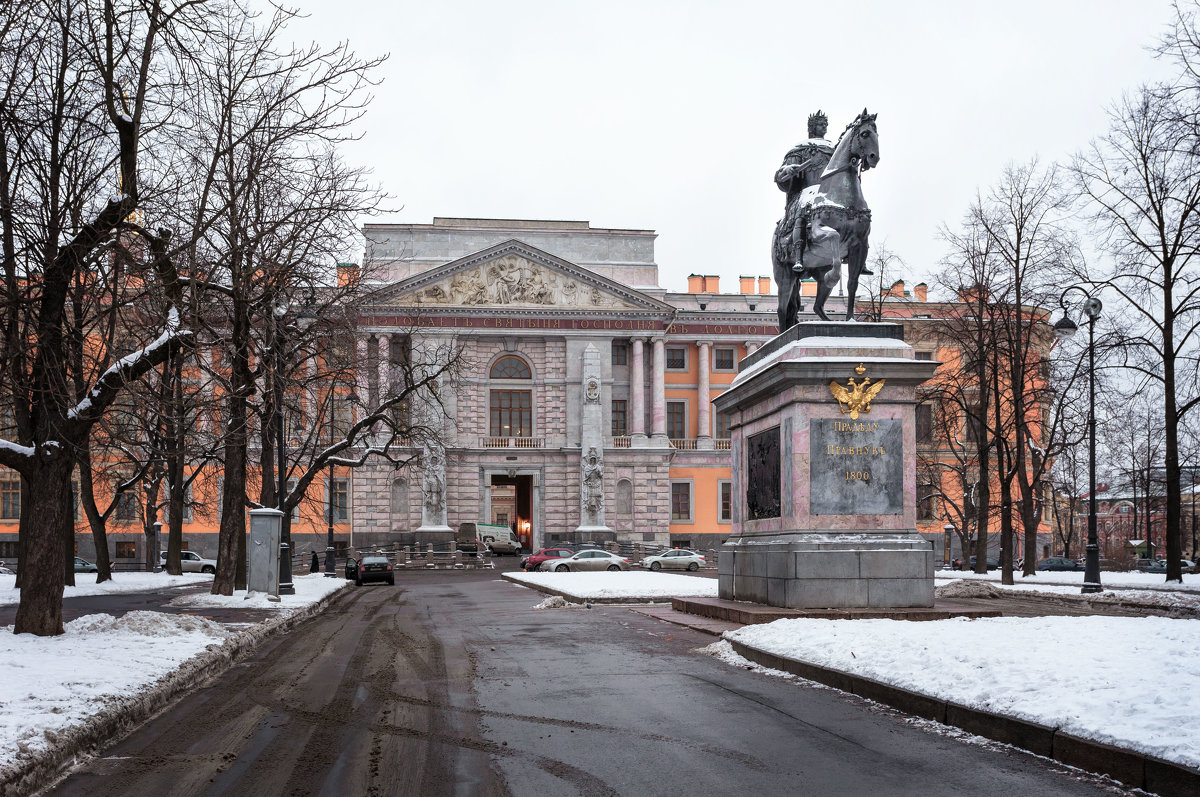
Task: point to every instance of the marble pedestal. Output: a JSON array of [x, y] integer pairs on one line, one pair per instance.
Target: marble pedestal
[[824, 504]]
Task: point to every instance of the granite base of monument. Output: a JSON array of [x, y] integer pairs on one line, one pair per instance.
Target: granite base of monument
[[824, 474]]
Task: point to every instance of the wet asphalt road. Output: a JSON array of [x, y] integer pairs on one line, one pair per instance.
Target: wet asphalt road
[[450, 683]]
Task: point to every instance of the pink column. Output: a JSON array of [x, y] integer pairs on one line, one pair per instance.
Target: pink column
[[658, 410], [384, 366], [703, 412], [637, 392], [362, 368]]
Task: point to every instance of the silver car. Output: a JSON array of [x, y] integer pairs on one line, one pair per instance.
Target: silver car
[[192, 562], [678, 559], [587, 560]]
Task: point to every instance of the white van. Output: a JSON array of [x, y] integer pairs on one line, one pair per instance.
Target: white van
[[500, 539]]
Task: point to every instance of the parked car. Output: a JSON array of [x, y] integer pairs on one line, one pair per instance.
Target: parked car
[[1150, 566], [992, 563], [587, 560], [84, 566], [467, 539], [4, 571], [370, 568], [677, 559], [192, 562], [1059, 563], [535, 559], [497, 539]]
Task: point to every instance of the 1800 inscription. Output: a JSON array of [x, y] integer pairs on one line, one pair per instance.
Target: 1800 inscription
[[856, 467]]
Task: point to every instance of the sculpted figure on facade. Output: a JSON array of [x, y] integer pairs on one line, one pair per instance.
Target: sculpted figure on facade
[[433, 490], [593, 481], [514, 280]]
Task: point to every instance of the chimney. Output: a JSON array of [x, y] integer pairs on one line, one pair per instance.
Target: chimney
[[921, 291], [712, 284], [746, 285], [347, 274], [764, 284], [695, 283], [808, 287], [897, 289]]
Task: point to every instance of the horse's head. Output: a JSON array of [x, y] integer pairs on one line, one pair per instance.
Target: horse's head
[[864, 144]]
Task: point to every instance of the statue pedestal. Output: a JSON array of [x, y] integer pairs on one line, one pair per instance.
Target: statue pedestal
[[824, 503]]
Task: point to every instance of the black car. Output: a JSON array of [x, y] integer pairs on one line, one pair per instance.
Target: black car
[[370, 568], [1059, 563], [992, 563]]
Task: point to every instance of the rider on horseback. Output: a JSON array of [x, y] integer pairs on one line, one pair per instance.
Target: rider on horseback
[[802, 167]]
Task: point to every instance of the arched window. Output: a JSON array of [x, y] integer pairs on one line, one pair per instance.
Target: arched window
[[511, 367], [510, 411]]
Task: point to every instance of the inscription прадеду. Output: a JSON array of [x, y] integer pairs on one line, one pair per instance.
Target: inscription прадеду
[[856, 467]]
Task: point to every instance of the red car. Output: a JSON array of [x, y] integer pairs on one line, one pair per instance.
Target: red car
[[535, 559]]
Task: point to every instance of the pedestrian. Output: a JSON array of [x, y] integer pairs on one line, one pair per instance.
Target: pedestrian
[[315, 567]]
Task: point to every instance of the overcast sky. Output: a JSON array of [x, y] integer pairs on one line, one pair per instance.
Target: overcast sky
[[673, 116]]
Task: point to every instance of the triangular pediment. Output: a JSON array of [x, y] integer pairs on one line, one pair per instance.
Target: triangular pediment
[[513, 275]]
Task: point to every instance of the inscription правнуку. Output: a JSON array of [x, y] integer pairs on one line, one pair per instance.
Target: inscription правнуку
[[763, 476], [856, 467]]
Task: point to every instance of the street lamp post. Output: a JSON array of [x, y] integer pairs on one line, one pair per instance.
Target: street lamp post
[[303, 320], [1065, 328], [949, 529], [330, 558]]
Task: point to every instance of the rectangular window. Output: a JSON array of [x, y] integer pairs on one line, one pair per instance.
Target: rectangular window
[[511, 413], [338, 495], [681, 501], [720, 426], [127, 507], [188, 512], [924, 355], [126, 550], [724, 359], [924, 423], [10, 498], [975, 428], [620, 353], [343, 416], [619, 418], [9, 550], [677, 419], [725, 493], [926, 510], [291, 485], [676, 358]]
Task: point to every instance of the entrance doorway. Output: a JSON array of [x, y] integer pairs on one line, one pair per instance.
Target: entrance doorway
[[512, 506]]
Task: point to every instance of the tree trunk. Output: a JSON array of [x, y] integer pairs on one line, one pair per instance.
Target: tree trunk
[[87, 499], [40, 609]]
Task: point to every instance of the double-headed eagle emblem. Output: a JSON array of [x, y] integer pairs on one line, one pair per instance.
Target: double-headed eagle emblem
[[858, 398]]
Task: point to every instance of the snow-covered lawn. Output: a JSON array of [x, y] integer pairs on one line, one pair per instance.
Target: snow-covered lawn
[[1083, 675], [976, 588], [49, 683], [85, 584], [310, 588], [631, 584], [1191, 581]]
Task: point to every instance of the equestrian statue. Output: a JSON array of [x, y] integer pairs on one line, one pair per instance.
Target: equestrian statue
[[826, 221]]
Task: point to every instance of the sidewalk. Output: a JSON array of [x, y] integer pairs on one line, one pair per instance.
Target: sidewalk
[[64, 696]]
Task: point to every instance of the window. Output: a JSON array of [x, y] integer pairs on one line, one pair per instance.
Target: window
[[681, 501], [924, 355], [725, 497], [720, 426], [975, 429], [337, 496], [343, 416], [620, 353], [619, 418], [724, 359], [676, 358], [127, 506], [75, 501], [511, 413], [126, 550], [9, 550], [926, 510], [677, 419], [511, 367], [188, 511], [924, 423], [400, 351]]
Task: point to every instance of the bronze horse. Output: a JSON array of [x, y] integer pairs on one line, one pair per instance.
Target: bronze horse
[[837, 224]]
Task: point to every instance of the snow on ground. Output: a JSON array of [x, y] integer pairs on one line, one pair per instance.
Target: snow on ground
[[630, 584], [310, 588], [1075, 673], [85, 584], [1191, 581], [975, 588], [48, 683]]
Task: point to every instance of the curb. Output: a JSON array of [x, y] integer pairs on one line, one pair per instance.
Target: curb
[[1131, 768], [633, 599], [113, 722]]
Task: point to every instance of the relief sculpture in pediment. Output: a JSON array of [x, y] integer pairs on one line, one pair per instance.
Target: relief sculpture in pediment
[[514, 280]]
